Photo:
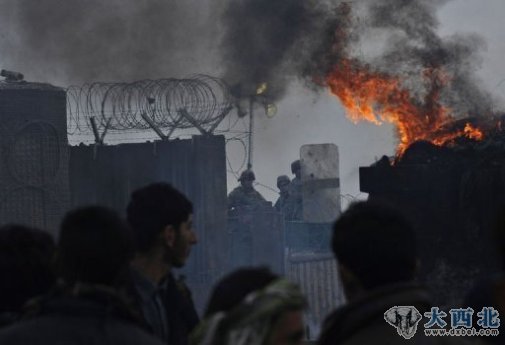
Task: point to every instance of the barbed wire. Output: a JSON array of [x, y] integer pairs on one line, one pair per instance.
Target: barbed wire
[[200, 101], [236, 172]]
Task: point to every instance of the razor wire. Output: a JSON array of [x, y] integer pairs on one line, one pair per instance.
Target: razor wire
[[201, 101]]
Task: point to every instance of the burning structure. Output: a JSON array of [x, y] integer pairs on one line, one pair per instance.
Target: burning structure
[[386, 63], [448, 170]]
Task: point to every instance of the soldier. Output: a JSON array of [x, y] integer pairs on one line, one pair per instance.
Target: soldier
[[283, 185], [245, 195], [295, 191], [286, 204]]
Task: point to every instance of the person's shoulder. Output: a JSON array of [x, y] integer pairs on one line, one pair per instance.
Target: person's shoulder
[[236, 190], [258, 194]]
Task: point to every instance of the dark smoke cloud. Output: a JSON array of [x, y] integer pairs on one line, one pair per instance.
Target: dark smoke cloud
[[414, 45], [266, 41], [90, 40], [275, 40], [272, 41]]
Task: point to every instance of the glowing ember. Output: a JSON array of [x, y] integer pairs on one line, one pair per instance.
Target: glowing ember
[[472, 132]]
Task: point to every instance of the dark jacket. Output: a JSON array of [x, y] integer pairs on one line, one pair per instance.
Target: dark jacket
[[241, 197], [92, 319], [180, 313], [362, 321]]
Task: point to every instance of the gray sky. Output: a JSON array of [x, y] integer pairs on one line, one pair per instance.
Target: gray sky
[[302, 118]]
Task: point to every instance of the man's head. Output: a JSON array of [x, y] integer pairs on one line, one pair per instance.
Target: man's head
[[94, 246], [256, 299], [283, 183], [374, 246], [162, 218], [26, 256], [296, 168], [247, 178]]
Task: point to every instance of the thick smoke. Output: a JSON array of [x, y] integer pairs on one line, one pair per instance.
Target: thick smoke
[[414, 46], [94, 40], [266, 41], [275, 40], [271, 41]]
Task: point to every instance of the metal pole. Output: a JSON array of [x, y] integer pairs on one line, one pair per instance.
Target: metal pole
[[183, 112], [251, 128], [153, 126], [102, 137], [95, 129]]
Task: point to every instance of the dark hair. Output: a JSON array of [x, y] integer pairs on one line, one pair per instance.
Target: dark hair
[[234, 287], [152, 208], [25, 265], [94, 246], [376, 243]]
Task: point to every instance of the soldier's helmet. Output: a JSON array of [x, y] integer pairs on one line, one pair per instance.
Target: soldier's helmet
[[296, 166], [282, 180], [247, 175]]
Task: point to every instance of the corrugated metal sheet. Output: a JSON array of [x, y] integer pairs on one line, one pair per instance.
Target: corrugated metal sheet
[[256, 238], [317, 276]]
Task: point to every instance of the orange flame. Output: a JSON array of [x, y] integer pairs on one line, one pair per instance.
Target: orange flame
[[473, 132], [377, 97]]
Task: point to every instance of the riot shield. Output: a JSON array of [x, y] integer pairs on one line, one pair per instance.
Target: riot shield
[[320, 182]]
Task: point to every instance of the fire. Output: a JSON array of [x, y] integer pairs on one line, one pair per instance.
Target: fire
[[378, 97], [473, 132]]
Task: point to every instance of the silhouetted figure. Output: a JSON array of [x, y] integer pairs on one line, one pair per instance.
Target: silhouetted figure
[[490, 292], [285, 203], [255, 307], [94, 250], [296, 191], [376, 252], [245, 196], [25, 268], [162, 221]]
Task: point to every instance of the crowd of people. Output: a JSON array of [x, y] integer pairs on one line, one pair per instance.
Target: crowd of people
[[109, 280]]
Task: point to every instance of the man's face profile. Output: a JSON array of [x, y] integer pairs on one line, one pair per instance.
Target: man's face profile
[[185, 238]]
